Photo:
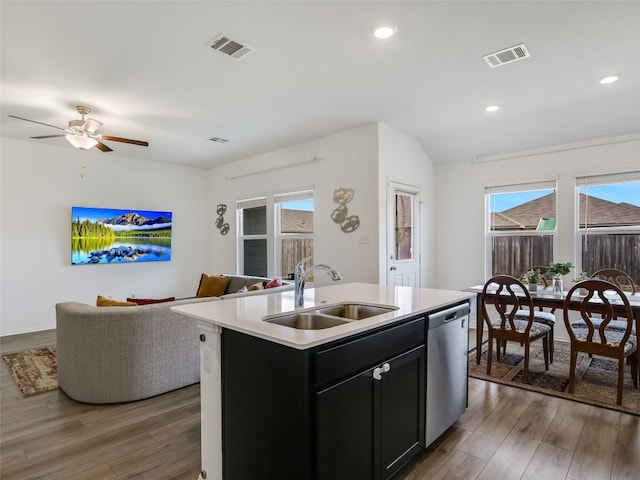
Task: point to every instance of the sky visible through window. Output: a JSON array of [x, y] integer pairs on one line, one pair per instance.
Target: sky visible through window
[[616, 193], [306, 205]]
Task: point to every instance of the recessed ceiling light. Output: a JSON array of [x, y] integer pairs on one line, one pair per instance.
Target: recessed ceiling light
[[609, 78], [383, 32], [492, 108]]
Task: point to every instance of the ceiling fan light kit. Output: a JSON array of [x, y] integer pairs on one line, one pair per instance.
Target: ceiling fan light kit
[[83, 134], [81, 140]]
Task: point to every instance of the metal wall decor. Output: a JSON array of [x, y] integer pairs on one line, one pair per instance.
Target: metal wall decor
[[348, 223], [220, 223]]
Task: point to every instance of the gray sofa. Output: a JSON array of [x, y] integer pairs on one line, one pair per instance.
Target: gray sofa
[[121, 354]]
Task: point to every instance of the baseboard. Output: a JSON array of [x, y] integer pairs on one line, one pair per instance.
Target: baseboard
[[22, 332]]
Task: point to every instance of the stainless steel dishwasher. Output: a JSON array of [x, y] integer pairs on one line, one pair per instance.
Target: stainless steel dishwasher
[[447, 366]]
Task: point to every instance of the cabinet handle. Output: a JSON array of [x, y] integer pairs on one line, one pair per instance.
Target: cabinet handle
[[378, 371]]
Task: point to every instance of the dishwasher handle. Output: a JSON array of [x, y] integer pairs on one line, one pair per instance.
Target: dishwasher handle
[[442, 317]]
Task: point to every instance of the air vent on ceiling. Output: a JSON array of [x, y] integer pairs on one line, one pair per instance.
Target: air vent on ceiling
[[223, 44], [508, 55]]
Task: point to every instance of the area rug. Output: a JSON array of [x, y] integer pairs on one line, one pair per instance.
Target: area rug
[[596, 377], [33, 371]]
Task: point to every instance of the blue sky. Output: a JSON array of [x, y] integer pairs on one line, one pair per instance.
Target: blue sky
[[306, 205], [93, 214], [620, 192]]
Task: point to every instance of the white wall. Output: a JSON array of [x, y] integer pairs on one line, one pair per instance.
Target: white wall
[[346, 159], [40, 183], [403, 160], [460, 199]]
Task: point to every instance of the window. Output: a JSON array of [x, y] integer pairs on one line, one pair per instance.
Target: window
[[608, 223], [403, 244], [521, 227], [272, 245], [294, 230], [252, 237]]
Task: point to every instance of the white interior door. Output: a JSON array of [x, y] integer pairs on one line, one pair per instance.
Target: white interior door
[[403, 233]]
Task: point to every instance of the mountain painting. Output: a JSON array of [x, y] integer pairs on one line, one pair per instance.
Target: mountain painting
[[109, 235]]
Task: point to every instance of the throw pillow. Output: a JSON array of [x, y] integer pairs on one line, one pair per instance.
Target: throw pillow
[[108, 302], [276, 282], [149, 301], [256, 286], [212, 286]]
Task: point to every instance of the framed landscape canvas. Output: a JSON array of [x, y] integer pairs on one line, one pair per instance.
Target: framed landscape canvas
[[109, 235]]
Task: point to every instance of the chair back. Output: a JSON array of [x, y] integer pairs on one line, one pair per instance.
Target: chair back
[[509, 296], [543, 274], [609, 302], [618, 277]]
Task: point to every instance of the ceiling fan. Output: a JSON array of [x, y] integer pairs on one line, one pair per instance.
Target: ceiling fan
[[84, 133]]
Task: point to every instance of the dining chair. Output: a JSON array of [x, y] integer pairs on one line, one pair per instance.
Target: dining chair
[[595, 338], [548, 318], [509, 297], [622, 280]]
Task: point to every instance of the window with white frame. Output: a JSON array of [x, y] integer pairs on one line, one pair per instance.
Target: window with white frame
[[294, 230], [252, 237], [274, 233], [608, 223], [520, 226]]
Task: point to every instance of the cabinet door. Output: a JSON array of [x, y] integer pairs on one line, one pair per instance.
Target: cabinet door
[[402, 411], [369, 428], [345, 435]]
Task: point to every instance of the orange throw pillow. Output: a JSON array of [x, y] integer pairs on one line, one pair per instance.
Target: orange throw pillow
[[212, 286], [107, 302]]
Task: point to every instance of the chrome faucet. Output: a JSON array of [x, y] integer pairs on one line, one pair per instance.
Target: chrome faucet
[[300, 277]]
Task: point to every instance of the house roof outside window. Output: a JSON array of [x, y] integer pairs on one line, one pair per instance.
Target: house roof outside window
[[534, 215]]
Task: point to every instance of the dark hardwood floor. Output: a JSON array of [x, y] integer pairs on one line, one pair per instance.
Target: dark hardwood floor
[[506, 433]]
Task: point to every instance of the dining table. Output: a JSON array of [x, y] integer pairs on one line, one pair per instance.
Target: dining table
[[546, 298]]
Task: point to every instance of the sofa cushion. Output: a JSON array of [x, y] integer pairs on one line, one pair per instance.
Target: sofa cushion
[[212, 286], [108, 302], [149, 301], [236, 282]]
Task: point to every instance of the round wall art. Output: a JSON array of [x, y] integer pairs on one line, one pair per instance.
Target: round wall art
[[221, 225], [340, 215]]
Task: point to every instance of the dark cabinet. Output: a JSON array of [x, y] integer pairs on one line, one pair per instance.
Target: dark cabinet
[[370, 425], [351, 409]]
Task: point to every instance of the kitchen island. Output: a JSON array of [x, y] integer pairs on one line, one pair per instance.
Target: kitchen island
[[346, 401]]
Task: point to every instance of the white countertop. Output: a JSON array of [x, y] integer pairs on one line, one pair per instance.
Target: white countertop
[[245, 314]]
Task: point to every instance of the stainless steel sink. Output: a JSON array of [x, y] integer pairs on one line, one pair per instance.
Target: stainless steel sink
[[329, 316], [355, 311], [306, 320]]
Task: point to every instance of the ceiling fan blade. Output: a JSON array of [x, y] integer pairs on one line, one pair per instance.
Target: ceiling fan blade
[[34, 121], [102, 147], [125, 140], [47, 136]]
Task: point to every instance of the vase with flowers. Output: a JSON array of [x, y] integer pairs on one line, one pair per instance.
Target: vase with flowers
[[557, 270]]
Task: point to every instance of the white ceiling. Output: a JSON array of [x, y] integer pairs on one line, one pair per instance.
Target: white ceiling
[[145, 70]]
